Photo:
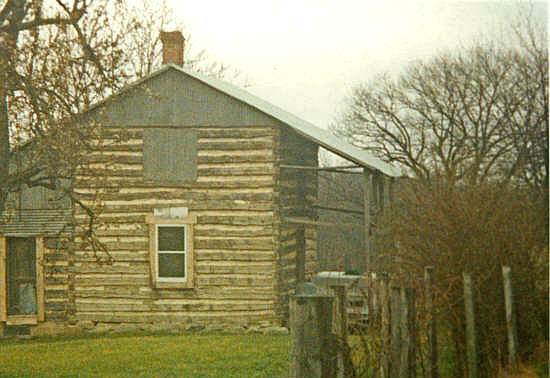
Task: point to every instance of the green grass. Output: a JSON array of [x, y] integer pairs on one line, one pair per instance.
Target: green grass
[[194, 355]]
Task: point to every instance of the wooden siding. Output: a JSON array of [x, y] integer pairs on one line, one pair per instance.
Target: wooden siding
[[233, 199], [296, 191], [169, 155], [55, 265]]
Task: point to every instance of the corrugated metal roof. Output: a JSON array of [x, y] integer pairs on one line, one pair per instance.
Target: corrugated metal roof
[[308, 130], [320, 136], [34, 222]]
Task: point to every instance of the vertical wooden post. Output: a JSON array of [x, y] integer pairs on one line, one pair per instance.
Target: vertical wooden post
[[385, 331], [340, 330], [432, 368], [312, 354], [395, 325], [40, 278], [510, 317], [300, 254], [3, 287], [471, 338], [367, 199], [407, 366]]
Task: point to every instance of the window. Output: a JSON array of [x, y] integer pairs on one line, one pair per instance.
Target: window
[[21, 280], [171, 252]]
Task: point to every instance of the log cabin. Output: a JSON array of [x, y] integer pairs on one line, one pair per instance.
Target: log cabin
[[201, 214]]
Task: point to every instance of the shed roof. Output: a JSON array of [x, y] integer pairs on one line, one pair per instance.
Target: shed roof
[[317, 135]]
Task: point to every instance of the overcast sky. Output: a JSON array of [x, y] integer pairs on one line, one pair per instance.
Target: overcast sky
[[306, 55]]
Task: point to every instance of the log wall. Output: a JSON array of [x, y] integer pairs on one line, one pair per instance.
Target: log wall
[[233, 198], [296, 191]]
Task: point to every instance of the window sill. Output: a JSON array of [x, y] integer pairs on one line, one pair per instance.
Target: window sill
[[22, 320], [173, 285]]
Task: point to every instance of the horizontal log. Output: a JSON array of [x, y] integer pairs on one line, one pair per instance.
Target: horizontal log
[[188, 307], [234, 280], [232, 255], [115, 246], [117, 267], [118, 256], [212, 232], [204, 293], [235, 220], [180, 195], [93, 181], [241, 133], [257, 244], [112, 279], [145, 208], [227, 158], [240, 171], [236, 145], [242, 268], [237, 317]]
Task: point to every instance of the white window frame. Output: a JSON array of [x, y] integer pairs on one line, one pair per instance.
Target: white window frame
[[157, 282], [183, 252]]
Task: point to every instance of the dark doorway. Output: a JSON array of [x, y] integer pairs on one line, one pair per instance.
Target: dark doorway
[[21, 276]]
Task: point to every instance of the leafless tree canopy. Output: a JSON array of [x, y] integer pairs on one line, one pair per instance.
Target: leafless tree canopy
[[467, 116], [471, 128]]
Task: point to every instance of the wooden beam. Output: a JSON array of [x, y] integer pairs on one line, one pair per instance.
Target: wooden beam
[[471, 337], [510, 318], [308, 221], [312, 351], [432, 367], [3, 288], [339, 209]]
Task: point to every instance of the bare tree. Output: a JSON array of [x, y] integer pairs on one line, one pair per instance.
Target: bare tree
[[58, 57], [469, 116], [471, 127]]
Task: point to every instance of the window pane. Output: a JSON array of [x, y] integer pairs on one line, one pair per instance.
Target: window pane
[[21, 278], [171, 238], [172, 265]]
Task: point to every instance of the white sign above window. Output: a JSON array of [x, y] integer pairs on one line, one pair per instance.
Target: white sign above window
[[171, 212]]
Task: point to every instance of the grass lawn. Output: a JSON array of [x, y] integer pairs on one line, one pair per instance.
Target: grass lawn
[[194, 355]]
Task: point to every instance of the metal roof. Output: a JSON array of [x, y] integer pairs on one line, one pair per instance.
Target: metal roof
[[306, 129], [320, 136]]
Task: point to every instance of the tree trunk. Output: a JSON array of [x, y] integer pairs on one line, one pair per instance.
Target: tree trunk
[[4, 136]]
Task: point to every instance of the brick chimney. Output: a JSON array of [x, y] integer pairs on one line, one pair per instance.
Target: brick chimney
[[172, 47]]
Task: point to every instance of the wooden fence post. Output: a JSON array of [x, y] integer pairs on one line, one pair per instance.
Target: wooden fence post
[[510, 317], [432, 368], [385, 328], [471, 338], [395, 325], [340, 330], [407, 366], [312, 353]]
